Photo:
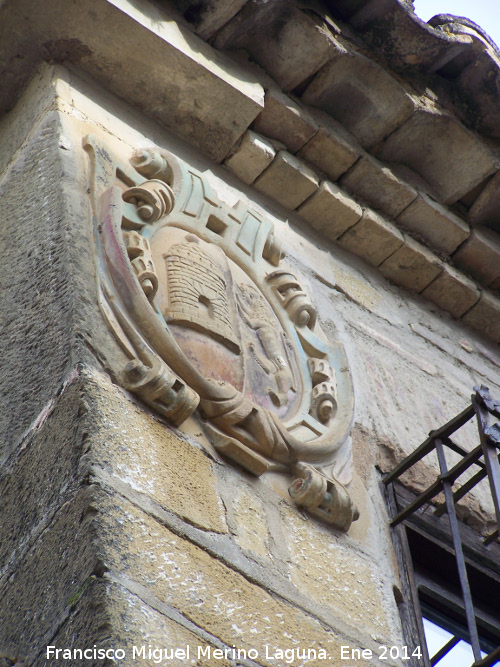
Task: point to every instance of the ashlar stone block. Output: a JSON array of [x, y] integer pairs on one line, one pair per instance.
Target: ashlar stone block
[[452, 291], [130, 444], [212, 595], [412, 266], [41, 592], [250, 157], [219, 99], [486, 208], [350, 585], [207, 16], [115, 618], [330, 210], [479, 256], [284, 120], [378, 186], [438, 226], [442, 151], [374, 238], [361, 95], [485, 316], [305, 41], [49, 462], [287, 180], [332, 149]]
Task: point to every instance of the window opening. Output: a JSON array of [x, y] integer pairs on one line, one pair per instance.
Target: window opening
[[447, 648], [455, 598]]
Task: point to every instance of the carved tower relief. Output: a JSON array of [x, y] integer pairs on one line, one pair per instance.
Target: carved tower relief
[[212, 321]]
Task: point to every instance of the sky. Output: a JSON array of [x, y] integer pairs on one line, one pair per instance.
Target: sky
[[486, 13]]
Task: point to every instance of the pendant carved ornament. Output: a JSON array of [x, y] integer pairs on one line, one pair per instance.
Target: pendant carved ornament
[[211, 320]]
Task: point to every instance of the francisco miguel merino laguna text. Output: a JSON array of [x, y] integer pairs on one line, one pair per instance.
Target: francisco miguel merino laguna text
[[158, 655]]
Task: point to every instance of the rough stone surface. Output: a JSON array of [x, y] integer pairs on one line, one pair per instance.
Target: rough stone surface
[[287, 180], [31, 110], [350, 585], [305, 42], [285, 120], [378, 186], [213, 596], [479, 84], [43, 473], [441, 150], [41, 592], [144, 453], [219, 100], [88, 616], [252, 155], [36, 299], [207, 17], [403, 39], [116, 618], [332, 149], [435, 224], [486, 208], [479, 256], [330, 210], [485, 316], [250, 517], [452, 291], [412, 266], [372, 238], [361, 95]]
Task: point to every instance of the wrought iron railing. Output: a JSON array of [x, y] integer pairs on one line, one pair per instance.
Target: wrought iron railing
[[485, 459]]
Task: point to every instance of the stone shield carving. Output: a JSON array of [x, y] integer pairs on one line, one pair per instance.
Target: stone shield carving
[[201, 302]]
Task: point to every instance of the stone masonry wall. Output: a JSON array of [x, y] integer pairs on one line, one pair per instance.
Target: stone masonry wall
[[122, 531]]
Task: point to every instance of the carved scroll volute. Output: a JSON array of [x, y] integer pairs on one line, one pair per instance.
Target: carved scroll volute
[[323, 497], [188, 284], [294, 300], [139, 253], [153, 199]]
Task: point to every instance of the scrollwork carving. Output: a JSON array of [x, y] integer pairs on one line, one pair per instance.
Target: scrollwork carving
[[294, 299], [323, 497], [139, 253], [187, 291], [153, 199], [324, 393]]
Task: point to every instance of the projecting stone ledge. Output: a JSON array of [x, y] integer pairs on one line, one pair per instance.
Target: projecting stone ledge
[[442, 229], [361, 95], [330, 210], [443, 152], [378, 186], [485, 316], [479, 256], [250, 157], [373, 238], [219, 99], [486, 208], [332, 149], [452, 291], [208, 16], [290, 44], [287, 180], [284, 120], [412, 266]]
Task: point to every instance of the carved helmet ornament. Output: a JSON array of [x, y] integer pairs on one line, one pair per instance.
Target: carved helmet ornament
[[197, 297]]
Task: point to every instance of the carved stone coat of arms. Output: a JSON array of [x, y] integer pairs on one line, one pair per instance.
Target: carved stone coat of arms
[[199, 298]]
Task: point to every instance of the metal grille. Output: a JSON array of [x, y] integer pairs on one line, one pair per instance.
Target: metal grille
[[485, 459]]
